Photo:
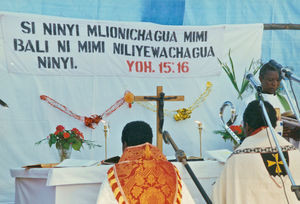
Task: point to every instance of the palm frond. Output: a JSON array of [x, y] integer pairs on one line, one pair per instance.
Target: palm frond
[[230, 72]]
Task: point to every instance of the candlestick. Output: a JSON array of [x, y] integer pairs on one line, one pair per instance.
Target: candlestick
[[106, 128], [200, 127]]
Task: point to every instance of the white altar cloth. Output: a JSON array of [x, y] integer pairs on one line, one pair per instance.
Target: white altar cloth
[[80, 185]]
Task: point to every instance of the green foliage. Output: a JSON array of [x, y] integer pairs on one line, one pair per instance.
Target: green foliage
[[226, 136], [230, 71], [90, 144], [238, 131], [64, 138]]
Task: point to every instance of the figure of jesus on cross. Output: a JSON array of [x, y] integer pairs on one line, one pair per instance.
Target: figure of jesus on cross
[[159, 98]]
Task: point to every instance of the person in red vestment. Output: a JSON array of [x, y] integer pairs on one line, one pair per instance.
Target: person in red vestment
[[143, 174]]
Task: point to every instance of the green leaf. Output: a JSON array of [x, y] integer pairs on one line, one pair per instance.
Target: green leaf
[[72, 140], [232, 66], [91, 144], [220, 132], [39, 142], [230, 72], [77, 145], [52, 140], [245, 83], [66, 145]]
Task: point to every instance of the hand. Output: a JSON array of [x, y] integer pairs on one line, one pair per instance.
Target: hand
[[291, 131]]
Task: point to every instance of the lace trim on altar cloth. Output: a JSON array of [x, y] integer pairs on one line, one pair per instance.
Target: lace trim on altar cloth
[[264, 150]]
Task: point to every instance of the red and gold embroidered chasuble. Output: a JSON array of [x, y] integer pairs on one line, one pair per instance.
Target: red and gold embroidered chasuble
[[143, 175]]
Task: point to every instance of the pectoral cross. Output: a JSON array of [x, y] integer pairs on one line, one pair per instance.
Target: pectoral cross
[[159, 98]]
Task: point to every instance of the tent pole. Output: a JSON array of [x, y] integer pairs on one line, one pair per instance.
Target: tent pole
[[279, 26]]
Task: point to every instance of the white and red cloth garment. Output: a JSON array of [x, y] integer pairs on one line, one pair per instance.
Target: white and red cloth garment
[[143, 175], [251, 173]]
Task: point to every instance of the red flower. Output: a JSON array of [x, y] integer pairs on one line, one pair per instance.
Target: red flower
[[66, 135], [81, 135], [77, 132], [60, 128], [62, 137], [237, 129]]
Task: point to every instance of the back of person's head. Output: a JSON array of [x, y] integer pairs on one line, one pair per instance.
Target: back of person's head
[[136, 133], [267, 67], [254, 116]]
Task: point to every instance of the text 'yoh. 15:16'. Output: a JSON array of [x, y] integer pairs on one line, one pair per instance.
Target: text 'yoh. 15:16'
[[163, 67]]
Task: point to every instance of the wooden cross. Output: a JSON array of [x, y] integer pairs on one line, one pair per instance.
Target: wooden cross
[[159, 98]]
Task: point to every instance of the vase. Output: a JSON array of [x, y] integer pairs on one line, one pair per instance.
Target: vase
[[64, 153]]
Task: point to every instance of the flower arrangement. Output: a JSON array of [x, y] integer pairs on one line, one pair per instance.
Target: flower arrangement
[[64, 139], [229, 70], [237, 129]]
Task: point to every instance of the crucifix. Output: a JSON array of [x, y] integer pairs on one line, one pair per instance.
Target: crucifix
[[159, 98]]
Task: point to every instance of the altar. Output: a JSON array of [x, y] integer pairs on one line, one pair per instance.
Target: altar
[[74, 185]]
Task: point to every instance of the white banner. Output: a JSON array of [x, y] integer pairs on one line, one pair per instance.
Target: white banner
[[59, 46]]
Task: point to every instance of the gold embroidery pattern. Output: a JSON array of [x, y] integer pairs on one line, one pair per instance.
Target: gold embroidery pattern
[[179, 191], [148, 152], [276, 162], [143, 175], [114, 186]]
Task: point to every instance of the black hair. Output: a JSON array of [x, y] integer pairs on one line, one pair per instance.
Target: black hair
[[268, 67], [253, 115], [136, 133]]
